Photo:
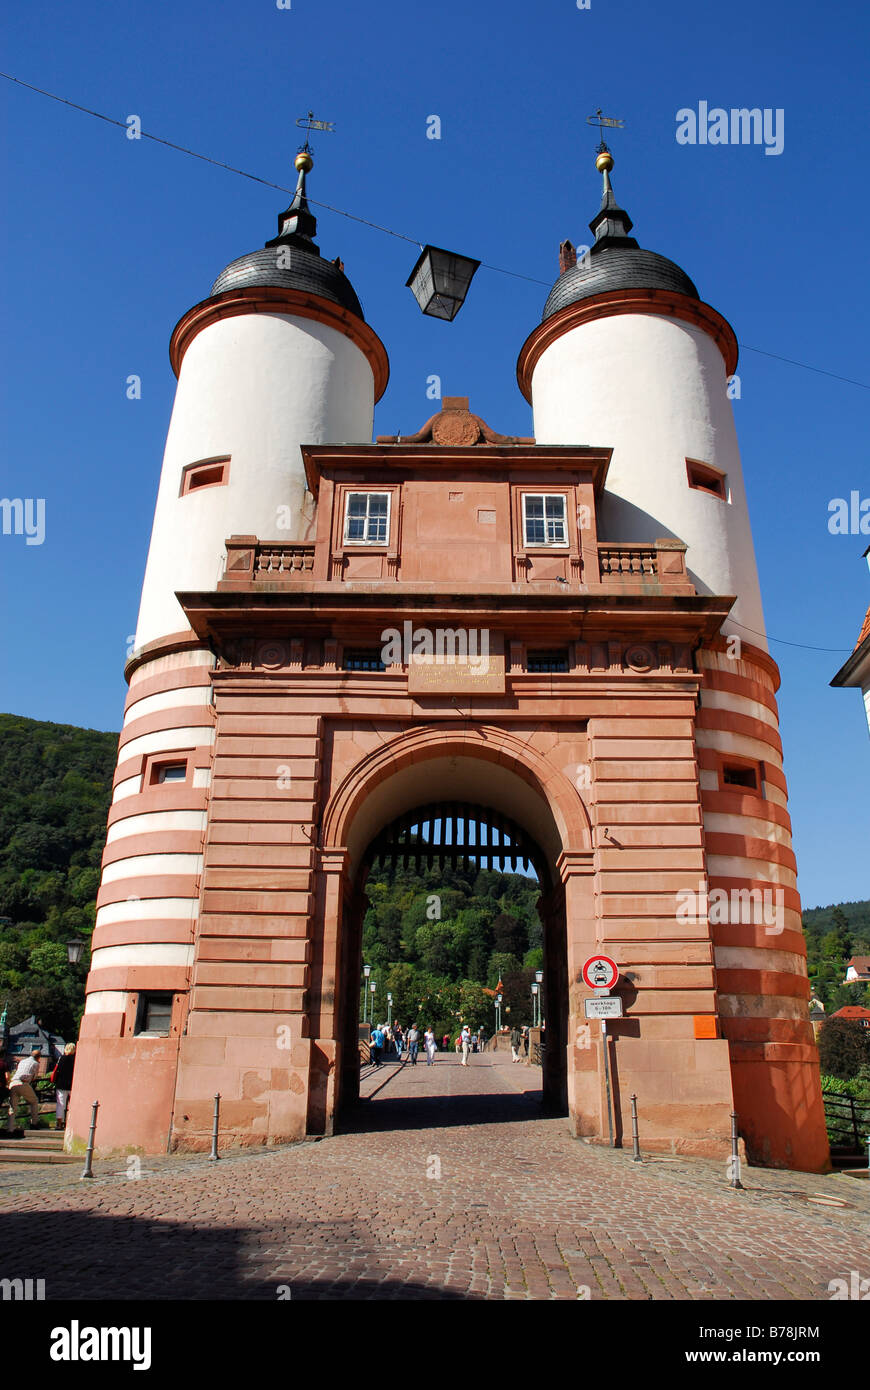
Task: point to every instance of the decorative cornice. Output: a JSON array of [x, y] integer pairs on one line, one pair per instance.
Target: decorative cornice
[[662, 303], [267, 299]]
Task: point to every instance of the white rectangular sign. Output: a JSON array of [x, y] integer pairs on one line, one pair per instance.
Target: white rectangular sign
[[604, 1008]]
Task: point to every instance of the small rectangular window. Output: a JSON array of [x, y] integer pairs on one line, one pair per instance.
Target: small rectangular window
[[212, 473], [367, 518], [363, 659], [154, 1015], [544, 661], [706, 479], [746, 775], [544, 520], [166, 770]]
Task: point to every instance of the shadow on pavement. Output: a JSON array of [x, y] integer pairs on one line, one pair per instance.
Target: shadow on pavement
[[85, 1257]]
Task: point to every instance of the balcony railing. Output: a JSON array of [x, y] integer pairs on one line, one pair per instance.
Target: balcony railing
[[251, 561], [661, 564]]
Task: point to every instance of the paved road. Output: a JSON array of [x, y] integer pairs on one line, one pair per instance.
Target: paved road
[[446, 1182]]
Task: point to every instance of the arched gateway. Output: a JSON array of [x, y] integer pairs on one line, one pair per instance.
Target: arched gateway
[[549, 630], [453, 773]]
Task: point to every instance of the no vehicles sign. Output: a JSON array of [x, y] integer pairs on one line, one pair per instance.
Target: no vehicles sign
[[600, 972]]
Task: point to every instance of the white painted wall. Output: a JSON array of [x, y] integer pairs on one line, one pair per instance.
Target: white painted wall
[[253, 387], [654, 389]]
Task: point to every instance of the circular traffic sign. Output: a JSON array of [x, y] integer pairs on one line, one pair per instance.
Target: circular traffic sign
[[600, 972]]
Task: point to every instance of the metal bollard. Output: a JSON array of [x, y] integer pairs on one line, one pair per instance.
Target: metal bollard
[[735, 1154], [89, 1152], [635, 1141], [214, 1127]]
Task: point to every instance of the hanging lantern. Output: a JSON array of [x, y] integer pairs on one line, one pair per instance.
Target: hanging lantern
[[440, 280]]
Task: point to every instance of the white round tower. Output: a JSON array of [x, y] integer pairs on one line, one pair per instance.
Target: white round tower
[[627, 354], [279, 355]]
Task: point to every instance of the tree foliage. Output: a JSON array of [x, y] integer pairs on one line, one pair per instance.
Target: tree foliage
[[460, 929], [55, 788]]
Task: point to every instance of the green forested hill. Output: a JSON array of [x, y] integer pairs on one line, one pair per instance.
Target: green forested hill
[[434, 939], [833, 934], [55, 787]]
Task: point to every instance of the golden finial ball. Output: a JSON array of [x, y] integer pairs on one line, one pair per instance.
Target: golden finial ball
[[304, 161], [604, 161]]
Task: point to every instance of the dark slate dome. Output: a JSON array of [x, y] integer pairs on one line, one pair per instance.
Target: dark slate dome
[[306, 271], [617, 268], [291, 260], [615, 261]]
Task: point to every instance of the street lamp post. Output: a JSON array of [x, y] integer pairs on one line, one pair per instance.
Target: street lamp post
[[389, 1008], [534, 1006], [367, 970], [372, 989], [498, 999], [539, 978], [74, 951]]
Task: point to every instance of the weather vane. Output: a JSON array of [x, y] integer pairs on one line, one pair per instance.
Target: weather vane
[[612, 122], [308, 123]]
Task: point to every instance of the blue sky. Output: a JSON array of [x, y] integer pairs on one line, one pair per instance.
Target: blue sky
[[108, 241]]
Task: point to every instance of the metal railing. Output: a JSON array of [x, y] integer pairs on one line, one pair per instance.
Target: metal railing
[[848, 1122]]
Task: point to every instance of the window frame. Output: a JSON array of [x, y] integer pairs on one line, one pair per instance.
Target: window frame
[[738, 763], [144, 999], [703, 477], [347, 540], [524, 519], [220, 466], [155, 763]]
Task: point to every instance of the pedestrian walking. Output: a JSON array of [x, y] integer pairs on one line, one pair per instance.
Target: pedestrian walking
[[526, 1036], [376, 1046], [481, 1040], [445, 1041], [413, 1040], [21, 1088], [431, 1046], [62, 1077], [465, 1040], [516, 1041], [398, 1039], [6, 1100]]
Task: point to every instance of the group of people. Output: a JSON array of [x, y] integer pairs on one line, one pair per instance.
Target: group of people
[[406, 1043], [20, 1087]]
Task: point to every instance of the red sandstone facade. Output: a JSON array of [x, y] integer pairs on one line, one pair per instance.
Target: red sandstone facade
[[621, 769]]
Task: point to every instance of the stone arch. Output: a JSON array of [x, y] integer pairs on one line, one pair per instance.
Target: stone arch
[[501, 748]]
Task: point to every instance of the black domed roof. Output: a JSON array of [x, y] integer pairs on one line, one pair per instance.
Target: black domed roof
[[304, 270], [615, 261], [291, 260], [617, 268]]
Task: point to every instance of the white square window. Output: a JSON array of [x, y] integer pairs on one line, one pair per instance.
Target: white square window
[[544, 521], [367, 518]]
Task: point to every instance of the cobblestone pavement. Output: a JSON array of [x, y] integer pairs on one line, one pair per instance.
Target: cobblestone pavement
[[446, 1182]]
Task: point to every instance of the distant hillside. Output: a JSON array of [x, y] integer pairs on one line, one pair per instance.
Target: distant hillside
[[55, 788], [833, 934]]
